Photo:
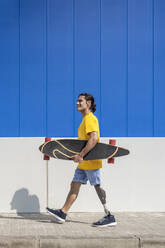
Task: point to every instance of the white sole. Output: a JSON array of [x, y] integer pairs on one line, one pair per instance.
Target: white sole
[[56, 217], [112, 224]]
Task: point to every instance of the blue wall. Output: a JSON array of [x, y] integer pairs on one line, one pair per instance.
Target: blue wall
[[51, 50]]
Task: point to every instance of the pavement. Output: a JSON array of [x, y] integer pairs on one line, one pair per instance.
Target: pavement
[[134, 230]]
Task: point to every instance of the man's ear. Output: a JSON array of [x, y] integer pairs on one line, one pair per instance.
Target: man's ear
[[89, 104]]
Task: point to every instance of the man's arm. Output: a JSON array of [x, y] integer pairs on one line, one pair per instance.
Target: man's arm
[[90, 144]]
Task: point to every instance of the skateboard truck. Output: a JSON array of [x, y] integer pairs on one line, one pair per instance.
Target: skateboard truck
[[47, 158], [113, 143]]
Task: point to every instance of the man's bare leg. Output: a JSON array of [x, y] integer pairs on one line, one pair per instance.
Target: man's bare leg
[[73, 193]]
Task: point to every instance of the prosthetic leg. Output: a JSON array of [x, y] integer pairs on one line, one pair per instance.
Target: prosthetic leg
[[102, 196]]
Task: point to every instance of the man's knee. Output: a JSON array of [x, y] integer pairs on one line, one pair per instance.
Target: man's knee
[[75, 187]]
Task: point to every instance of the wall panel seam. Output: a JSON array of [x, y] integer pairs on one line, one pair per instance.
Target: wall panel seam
[[127, 85], [19, 64], [153, 68], [74, 96], [100, 20]]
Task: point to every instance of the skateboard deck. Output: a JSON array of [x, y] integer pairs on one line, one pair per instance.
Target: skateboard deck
[[66, 148]]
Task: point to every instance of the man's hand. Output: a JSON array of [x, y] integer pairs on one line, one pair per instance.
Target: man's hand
[[77, 158], [90, 144]]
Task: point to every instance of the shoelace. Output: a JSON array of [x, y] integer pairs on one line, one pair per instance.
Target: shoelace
[[104, 218]]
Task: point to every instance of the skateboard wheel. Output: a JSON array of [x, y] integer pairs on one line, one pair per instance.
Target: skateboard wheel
[[113, 143], [45, 156], [111, 161]]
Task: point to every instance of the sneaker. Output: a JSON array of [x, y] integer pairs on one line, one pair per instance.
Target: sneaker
[[108, 220], [58, 214]]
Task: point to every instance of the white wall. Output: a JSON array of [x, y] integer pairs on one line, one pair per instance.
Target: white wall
[[134, 183]]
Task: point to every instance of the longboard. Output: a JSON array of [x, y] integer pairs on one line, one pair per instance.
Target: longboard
[[66, 148]]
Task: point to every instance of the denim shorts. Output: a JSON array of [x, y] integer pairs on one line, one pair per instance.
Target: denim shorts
[[84, 175]]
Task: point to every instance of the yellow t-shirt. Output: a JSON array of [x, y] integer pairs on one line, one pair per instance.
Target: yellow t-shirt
[[89, 124]]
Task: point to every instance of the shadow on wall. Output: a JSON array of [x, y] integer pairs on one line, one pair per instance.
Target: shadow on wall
[[23, 202]]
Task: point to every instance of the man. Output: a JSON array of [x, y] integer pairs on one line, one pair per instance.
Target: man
[[86, 170]]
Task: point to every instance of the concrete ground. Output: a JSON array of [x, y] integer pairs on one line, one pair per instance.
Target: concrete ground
[[134, 230]]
